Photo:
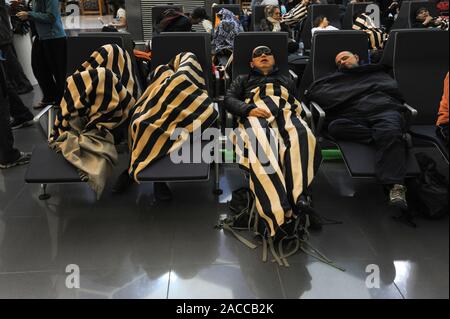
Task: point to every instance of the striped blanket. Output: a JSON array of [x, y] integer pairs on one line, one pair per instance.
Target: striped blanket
[[280, 153], [98, 98], [176, 97], [296, 14], [377, 36]]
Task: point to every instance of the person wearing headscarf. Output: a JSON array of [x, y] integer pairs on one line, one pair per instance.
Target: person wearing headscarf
[[224, 34]]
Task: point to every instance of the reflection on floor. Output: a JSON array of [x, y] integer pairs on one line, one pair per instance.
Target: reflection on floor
[[133, 247]]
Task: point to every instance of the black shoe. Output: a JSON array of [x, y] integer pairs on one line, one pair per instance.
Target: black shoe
[[20, 123], [162, 192], [123, 183], [23, 159], [315, 221]]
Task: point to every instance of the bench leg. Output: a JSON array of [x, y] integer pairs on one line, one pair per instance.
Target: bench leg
[[217, 190], [44, 195]]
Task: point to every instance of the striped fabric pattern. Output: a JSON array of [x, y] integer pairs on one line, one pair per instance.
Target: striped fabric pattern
[[296, 14], [377, 37], [278, 175], [176, 97], [102, 90], [98, 97]]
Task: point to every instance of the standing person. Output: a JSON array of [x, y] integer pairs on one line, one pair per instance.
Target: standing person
[[49, 53], [9, 156], [17, 80]]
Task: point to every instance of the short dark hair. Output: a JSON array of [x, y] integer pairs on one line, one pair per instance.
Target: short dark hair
[[421, 9], [199, 13], [318, 21]]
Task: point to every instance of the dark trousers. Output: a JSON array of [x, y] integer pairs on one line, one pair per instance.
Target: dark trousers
[[14, 71], [386, 132], [17, 109], [7, 151], [48, 60]]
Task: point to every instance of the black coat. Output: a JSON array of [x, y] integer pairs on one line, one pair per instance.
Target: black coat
[[6, 35], [356, 93], [242, 86]]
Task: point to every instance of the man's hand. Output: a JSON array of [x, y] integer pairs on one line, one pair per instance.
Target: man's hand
[[22, 15], [258, 112], [428, 20]]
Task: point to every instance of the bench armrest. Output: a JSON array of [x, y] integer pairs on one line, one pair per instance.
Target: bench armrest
[[317, 109]]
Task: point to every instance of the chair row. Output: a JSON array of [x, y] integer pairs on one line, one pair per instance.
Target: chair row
[[419, 75]]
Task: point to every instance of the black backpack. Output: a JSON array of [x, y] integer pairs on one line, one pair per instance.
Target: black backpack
[[291, 237], [429, 193]]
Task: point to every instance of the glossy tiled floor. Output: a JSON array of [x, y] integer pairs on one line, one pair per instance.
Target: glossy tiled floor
[[130, 246]]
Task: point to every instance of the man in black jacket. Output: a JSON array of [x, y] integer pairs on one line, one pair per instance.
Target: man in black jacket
[[363, 104], [264, 100], [263, 71]]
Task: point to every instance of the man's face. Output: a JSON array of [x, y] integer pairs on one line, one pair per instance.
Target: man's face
[[422, 15], [346, 60], [263, 59]]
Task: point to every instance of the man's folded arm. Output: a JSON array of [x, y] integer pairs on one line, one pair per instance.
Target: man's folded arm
[[234, 99]]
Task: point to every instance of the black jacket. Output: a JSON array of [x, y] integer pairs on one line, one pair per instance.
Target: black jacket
[[242, 86], [356, 93], [6, 35]]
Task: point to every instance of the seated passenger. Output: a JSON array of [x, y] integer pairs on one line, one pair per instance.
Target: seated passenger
[[199, 16], [97, 100], [442, 122], [377, 36], [280, 174], [363, 104], [120, 17], [173, 20], [175, 98], [272, 23], [425, 20], [223, 38], [321, 23], [297, 13]]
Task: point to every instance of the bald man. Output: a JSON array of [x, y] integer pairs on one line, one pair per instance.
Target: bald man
[[363, 104]]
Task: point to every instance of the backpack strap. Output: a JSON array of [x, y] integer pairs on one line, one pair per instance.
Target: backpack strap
[[243, 240], [272, 250]]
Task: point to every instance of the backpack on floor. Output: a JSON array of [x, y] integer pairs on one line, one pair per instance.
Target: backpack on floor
[[291, 237], [429, 193]]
